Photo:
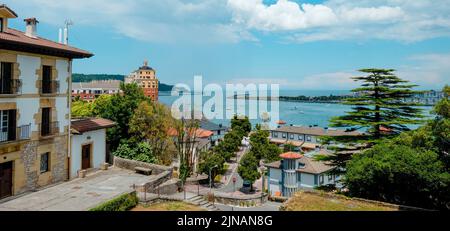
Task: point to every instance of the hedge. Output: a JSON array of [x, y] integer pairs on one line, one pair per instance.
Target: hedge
[[124, 202]]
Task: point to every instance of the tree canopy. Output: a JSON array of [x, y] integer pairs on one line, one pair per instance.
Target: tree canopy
[[379, 109], [248, 168]]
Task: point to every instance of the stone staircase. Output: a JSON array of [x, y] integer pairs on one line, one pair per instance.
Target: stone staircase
[[200, 201]]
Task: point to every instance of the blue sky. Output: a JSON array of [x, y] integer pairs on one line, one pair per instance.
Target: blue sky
[[300, 44]]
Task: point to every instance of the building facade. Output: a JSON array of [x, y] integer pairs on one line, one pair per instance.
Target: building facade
[[219, 131], [34, 107], [306, 138], [146, 78], [298, 172], [91, 90], [88, 146]]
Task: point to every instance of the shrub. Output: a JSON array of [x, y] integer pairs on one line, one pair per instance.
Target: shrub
[[124, 202]]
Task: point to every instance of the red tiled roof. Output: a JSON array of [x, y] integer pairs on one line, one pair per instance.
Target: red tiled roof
[[12, 39], [90, 124], [199, 133], [291, 155]]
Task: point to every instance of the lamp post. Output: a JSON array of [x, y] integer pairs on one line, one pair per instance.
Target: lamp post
[[210, 180]]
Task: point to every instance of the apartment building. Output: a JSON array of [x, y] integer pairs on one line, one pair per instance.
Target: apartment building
[[145, 77], [91, 90], [306, 138], [35, 101]]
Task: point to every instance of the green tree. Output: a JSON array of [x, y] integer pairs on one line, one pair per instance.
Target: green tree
[[101, 105], [81, 109], [248, 168], [209, 161], [120, 110], [261, 146], [140, 152], [151, 122], [401, 175], [242, 123], [185, 142], [378, 107]]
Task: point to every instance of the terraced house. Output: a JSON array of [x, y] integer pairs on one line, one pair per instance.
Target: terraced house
[[34, 107]]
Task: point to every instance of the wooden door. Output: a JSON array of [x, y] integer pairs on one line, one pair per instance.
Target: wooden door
[[86, 156], [6, 179]]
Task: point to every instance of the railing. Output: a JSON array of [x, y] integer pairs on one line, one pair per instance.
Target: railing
[[22, 133], [12, 87], [49, 129], [49, 87]]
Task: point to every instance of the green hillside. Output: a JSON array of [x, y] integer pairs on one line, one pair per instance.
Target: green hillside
[[91, 77]]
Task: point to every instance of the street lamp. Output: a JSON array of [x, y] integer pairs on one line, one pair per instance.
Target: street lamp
[[210, 180]]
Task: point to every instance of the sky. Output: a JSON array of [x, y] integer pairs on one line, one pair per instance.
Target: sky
[[300, 44]]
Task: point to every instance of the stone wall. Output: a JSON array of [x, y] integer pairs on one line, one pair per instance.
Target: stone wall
[[241, 200], [131, 164], [59, 170], [29, 158]]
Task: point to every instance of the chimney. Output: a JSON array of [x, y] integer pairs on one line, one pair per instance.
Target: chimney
[[31, 24]]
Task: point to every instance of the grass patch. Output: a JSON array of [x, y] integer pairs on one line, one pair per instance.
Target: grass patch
[[302, 201], [168, 206], [124, 202]]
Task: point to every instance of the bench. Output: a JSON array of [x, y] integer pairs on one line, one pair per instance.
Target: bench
[[145, 171]]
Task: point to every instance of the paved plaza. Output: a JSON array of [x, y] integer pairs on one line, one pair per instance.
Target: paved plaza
[[79, 194]]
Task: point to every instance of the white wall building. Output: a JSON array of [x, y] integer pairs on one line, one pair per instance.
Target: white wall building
[[88, 146]]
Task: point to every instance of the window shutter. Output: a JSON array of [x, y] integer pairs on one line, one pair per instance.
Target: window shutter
[[12, 126]]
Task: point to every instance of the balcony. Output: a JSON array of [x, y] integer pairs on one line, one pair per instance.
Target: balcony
[[49, 87], [22, 133], [49, 129], [13, 87]]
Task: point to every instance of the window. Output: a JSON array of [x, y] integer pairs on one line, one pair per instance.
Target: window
[[330, 177], [275, 134], [300, 137], [308, 138], [46, 79], [1, 24], [45, 162], [292, 136], [6, 78], [7, 125], [45, 121], [321, 179], [284, 135]]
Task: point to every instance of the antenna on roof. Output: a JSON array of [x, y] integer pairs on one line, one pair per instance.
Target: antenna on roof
[[67, 23]]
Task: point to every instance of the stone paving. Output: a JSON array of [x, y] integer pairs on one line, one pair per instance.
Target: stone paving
[[79, 194]]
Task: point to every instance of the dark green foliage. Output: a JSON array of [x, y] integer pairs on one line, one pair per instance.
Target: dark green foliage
[[248, 168], [241, 123], [261, 146], [92, 77], [379, 109], [140, 152], [209, 161], [124, 202], [401, 175], [121, 110]]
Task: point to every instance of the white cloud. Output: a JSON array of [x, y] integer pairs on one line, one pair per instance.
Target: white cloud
[[401, 20], [231, 21]]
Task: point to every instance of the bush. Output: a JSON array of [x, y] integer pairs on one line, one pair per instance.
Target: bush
[[140, 152], [124, 202], [399, 174]]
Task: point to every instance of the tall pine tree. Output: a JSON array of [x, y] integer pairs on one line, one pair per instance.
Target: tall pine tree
[[379, 108]]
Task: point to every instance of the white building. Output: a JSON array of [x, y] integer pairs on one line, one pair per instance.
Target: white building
[[88, 146], [35, 82], [295, 172]]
